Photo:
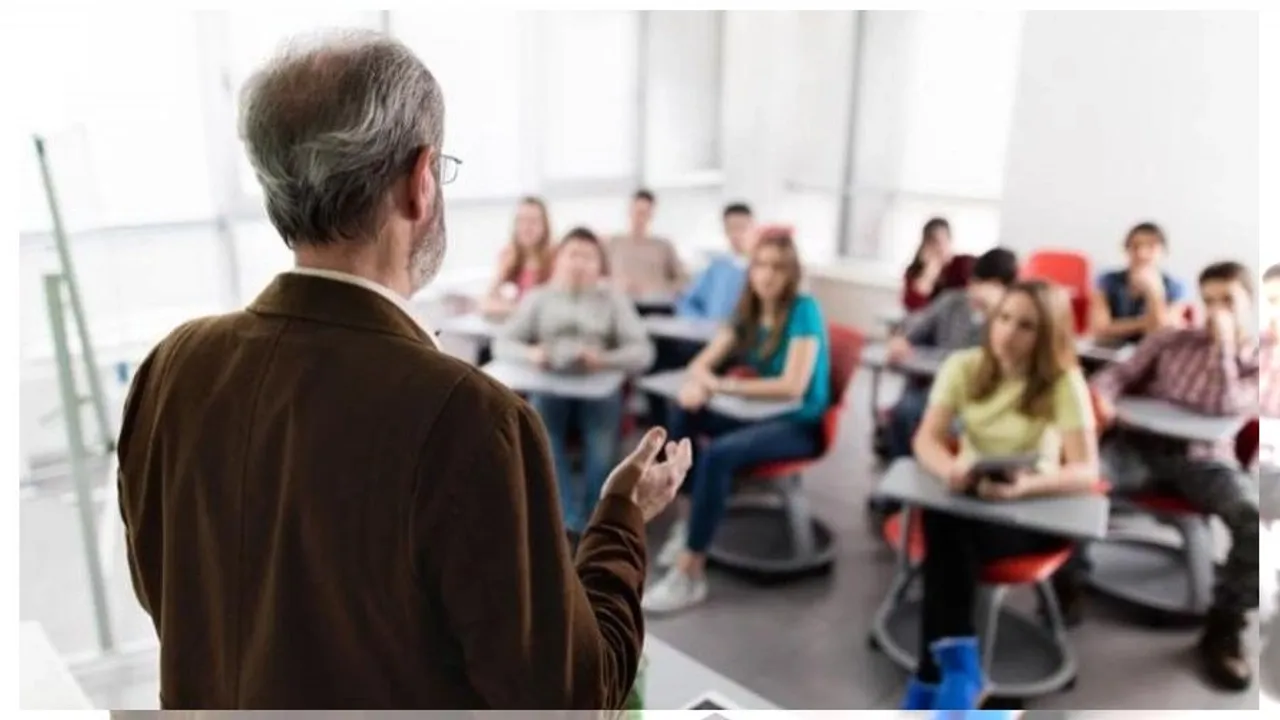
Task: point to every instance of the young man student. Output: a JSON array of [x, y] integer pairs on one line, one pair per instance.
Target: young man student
[[714, 293], [1212, 370], [644, 265], [953, 321], [1139, 298]]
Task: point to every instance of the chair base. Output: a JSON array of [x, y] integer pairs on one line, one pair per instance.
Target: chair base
[[757, 538], [1151, 575], [1026, 663]]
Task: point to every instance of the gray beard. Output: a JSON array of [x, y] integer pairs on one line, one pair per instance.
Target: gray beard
[[428, 253]]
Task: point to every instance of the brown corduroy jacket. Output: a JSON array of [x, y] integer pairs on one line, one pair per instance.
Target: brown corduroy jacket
[[325, 511]]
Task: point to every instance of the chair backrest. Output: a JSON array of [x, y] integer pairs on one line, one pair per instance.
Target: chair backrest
[[845, 345], [1247, 443], [1068, 269]]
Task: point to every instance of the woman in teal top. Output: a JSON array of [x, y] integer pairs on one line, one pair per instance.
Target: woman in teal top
[[777, 333]]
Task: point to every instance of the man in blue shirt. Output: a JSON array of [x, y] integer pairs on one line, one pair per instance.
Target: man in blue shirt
[[1139, 298], [715, 292]]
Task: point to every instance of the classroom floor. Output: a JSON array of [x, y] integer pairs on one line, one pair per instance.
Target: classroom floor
[[801, 645]]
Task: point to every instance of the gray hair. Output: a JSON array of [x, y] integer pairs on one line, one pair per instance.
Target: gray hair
[[330, 124]]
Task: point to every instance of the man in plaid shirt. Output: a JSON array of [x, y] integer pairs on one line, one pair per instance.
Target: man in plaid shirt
[[1212, 370]]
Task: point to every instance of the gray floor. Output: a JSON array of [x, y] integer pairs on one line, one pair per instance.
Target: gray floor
[[800, 646]]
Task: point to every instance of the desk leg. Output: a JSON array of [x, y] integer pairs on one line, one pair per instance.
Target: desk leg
[[875, 396]]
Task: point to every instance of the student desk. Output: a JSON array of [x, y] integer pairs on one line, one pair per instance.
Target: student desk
[[668, 384], [659, 303], [470, 325], [1174, 578], [1097, 354], [529, 379], [923, 363], [1027, 659], [1174, 421], [692, 330], [675, 681]]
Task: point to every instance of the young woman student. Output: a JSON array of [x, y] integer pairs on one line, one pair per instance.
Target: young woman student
[[779, 334], [1021, 391], [525, 261], [1138, 298], [934, 267], [576, 323]]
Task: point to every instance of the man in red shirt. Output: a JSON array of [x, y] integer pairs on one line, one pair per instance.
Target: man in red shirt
[[1212, 370]]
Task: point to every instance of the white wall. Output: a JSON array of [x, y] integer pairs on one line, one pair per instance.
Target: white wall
[[1127, 116]]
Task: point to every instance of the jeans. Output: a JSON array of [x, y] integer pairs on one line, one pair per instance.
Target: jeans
[[905, 418], [957, 550], [734, 446], [598, 423]]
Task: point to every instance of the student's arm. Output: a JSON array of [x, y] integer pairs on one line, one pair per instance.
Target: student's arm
[[1105, 327], [1119, 377], [1237, 382], [703, 366], [494, 303], [536, 630], [517, 338], [693, 302], [921, 327], [932, 441], [1073, 419], [634, 351], [805, 329]]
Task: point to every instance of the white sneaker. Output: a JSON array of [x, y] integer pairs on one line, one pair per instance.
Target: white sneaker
[[674, 545], [676, 591]]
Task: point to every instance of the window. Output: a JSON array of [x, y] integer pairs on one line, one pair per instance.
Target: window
[[477, 57], [934, 109], [682, 95], [116, 96], [590, 98]]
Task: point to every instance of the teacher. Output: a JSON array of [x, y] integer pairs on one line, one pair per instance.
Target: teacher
[[323, 510]]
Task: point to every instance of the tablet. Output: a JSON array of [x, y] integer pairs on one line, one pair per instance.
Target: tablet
[[1000, 468]]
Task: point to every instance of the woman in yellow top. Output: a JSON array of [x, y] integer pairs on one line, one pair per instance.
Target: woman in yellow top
[[1021, 392]]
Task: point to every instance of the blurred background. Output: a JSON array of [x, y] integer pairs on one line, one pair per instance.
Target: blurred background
[[1032, 130]]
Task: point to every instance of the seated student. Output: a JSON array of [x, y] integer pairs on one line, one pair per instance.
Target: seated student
[[525, 261], [714, 293], [780, 334], [1140, 298], [1021, 392], [1213, 370], [953, 321], [934, 268], [644, 265], [574, 323]]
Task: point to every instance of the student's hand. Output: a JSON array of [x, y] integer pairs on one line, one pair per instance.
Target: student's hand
[[960, 478], [703, 377], [898, 349], [1020, 486], [650, 484], [1105, 412], [539, 356], [591, 358], [1222, 327], [693, 396], [1149, 283]]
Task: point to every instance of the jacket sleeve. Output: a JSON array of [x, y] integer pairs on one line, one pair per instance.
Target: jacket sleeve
[[536, 632], [133, 493]]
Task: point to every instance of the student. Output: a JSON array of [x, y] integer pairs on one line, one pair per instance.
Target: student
[[525, 261], [714, 293], [644, 265], [1212, 370], [934, 267], [780, 334], [953, 321], [1140, 298], [574, 323], [1021, 391]]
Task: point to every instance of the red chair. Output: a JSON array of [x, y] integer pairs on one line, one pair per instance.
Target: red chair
[[782, 537], [1068, 269], [1172, 579]]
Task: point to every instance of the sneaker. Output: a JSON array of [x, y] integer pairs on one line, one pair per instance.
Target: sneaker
[[1222, 651], [674, 545], [676, 591], [919, 696], [963, 685]]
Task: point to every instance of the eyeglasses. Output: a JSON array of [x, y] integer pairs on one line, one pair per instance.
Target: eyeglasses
[[448, 169]]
